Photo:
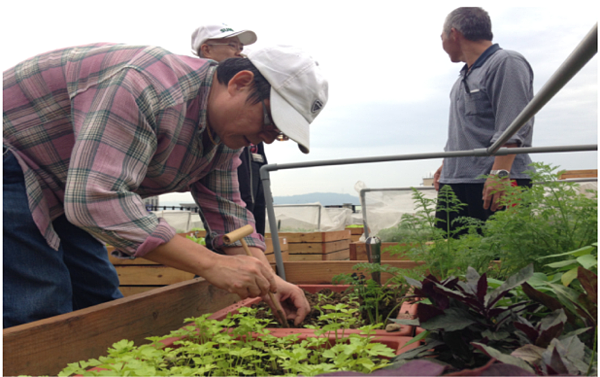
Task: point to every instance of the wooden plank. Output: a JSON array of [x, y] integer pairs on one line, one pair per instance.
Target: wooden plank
[[322, 272], [283, 244], [356, 231], [130, 262], [335, 255], [338, 255], [285, 256], [315, 236], [151, 275], [130, 290], [318, 247], [45, 347], [589, 173]]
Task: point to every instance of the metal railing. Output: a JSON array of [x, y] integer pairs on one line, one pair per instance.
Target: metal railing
[[586, 49]]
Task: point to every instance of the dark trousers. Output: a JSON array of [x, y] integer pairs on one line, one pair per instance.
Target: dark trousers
[[38, 281], [471, 195]]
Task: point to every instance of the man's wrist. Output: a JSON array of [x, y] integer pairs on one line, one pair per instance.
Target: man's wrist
[[500, 173]]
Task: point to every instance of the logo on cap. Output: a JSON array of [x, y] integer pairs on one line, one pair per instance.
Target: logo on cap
[[316, 106], [226, 29]]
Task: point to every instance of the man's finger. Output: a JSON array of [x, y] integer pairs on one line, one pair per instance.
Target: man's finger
[[270, 276], [263, 285]]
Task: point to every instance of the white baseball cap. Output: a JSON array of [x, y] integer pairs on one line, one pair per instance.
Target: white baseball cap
[[220, 31], [298, 89]]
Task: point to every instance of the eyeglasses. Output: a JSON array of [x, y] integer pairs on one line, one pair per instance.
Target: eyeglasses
[[236, 46], [269, 126]]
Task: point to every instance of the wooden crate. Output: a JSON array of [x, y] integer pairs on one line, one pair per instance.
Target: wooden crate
[[141, 275], [358, 251], [590, 173], [270, 253], [355, 233], [314, 246]]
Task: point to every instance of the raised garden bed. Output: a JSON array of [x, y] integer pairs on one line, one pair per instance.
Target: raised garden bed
[[235, 341], [317, 246], [355, 232], [358, 251], [45, 347]]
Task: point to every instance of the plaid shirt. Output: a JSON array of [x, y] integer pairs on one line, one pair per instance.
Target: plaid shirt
[[97, 128]]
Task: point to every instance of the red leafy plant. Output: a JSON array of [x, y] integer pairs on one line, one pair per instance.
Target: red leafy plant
[[468, 325]]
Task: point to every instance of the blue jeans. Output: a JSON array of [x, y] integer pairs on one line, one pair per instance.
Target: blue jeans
[[40, 282]]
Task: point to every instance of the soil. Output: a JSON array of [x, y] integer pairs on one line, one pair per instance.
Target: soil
[[327, 296]]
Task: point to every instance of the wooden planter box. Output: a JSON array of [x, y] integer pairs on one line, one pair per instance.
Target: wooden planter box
[[270, 253], [317, 246], [355, 233], [45, 347]]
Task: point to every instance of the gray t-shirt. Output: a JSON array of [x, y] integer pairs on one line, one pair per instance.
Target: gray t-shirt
[[482, 106]]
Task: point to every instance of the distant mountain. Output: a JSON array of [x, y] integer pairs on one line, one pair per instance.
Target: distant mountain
[[325, 198]]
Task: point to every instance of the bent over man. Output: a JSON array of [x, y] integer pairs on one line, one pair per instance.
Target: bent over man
[[90, 131]]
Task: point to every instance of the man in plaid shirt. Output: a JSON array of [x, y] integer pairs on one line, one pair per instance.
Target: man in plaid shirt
[[91, 131]]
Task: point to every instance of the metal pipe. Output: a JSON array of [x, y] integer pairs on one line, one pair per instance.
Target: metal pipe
[[264, 176], [431, 155], [363, 206], [583, 53], [373, 246]]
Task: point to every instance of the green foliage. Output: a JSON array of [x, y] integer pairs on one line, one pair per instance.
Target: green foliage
[[422, 239], [547, 219], [374, 296], [198, 240], [216, 348]]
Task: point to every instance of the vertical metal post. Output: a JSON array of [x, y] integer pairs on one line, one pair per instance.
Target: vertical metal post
[[264, 176], [373, 245], [363, 209]]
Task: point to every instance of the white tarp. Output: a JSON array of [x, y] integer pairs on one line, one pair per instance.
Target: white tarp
[[182, 221], [384, 208], [310, 217]]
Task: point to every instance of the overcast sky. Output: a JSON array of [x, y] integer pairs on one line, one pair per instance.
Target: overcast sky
[[389, 78]]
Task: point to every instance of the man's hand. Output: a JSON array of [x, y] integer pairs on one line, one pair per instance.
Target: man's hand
[[292, 299], [493, 190], [240, 274], [436, 178]]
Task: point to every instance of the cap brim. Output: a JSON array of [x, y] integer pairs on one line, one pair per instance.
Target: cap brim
[[246, 37], [290, 122]]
